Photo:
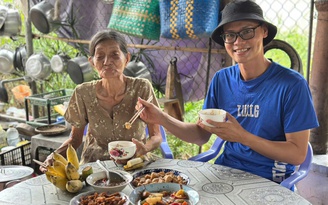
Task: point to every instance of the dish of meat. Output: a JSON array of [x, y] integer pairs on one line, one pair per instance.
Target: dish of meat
[[96, 197], [150, 176]]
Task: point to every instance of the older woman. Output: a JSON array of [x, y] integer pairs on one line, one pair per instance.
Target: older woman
[[106, 104]]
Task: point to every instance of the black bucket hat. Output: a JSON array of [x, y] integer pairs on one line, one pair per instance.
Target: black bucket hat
[[242, 10]]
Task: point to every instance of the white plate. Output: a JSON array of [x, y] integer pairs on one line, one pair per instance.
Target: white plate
[[76, 199], [171, 187]]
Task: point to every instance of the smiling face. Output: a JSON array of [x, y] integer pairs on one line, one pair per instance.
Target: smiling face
[[245, 51], [108, 59]]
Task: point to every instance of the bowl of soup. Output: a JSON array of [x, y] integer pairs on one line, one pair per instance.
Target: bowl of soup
[[101, 183], [217, 115]]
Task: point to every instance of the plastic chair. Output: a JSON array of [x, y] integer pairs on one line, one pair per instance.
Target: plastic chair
[[211, 153], [165, 148], [302, 171]]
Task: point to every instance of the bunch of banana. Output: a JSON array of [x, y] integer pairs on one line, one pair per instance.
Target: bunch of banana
[[64, 173]]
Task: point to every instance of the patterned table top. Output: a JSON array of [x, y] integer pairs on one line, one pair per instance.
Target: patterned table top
[[215, 184]]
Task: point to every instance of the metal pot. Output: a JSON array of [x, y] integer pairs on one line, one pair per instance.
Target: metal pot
[[80, 70], [138, 69], [59, 63], [12, 25], [20, 58], [6, 61], [43, 17], [3, 15], [38, 67]]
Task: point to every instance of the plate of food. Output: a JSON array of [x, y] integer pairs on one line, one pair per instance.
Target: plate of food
[[164, 193], [159, 175], [96, 197]]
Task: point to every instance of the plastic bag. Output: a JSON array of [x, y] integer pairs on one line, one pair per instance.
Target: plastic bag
[[21, 91]]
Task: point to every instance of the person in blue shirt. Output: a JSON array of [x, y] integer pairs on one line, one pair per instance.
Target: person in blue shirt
[[269, 107]]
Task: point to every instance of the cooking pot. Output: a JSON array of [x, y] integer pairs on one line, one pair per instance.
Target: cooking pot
[[80, 70], [6, 61], [138, 69], [13, 23], [43, 17], [59, 63], [38, 67], [20, 58], [3, 15]]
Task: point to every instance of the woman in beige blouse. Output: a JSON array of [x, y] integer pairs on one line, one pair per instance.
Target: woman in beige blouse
[[106, 104]]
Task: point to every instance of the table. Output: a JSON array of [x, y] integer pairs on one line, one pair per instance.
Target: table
[[215, 184]]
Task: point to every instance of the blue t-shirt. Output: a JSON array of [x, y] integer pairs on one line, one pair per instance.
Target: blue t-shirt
[[277, 102]]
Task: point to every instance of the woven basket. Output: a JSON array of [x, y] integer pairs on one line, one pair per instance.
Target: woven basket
[[188, 19], [138, 18]]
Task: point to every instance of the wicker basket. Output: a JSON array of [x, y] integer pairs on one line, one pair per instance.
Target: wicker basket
[[20, 155]]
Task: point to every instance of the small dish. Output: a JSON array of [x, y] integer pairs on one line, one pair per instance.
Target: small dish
[[135, 197], [76, 200]]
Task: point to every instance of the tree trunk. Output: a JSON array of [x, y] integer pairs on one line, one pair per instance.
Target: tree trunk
[[319, 79]]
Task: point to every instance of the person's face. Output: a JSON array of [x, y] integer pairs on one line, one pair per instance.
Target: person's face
[[241, 50], [109, 60]]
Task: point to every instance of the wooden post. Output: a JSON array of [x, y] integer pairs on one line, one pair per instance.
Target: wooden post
[[173, 101]]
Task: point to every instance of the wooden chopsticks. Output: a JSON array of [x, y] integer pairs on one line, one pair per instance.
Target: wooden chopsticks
[[136, 115], [40, 163]]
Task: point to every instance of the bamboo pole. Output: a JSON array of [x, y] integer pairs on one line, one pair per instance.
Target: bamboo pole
[[151, 47]]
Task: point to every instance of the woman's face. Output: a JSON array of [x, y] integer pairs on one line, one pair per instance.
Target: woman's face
[[109, 60]]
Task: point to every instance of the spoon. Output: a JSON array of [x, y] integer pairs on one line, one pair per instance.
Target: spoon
[[112, 176]]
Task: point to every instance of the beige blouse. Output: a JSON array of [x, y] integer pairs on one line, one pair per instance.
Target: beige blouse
[[84, 109]]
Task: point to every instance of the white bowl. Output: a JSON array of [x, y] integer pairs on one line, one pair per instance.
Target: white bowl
[[122, 149], [92, 178], [217, 115]]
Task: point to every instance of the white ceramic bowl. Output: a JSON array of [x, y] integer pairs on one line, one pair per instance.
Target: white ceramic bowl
[[217, 115], [92, 178], [121, 150]]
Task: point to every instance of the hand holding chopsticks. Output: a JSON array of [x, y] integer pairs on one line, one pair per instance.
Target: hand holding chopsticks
[[136, 115]]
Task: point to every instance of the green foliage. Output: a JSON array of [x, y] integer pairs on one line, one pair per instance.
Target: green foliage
[[298, 40]]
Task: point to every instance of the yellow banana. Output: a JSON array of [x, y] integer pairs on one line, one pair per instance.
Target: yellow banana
[[59, 167], [58, 157], [48, 176], [52, 171], [71, 172], [72, 156], [74, 186], [59, 182]]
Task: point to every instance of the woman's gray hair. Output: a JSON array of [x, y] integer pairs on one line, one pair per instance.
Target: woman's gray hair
[[107, 35]]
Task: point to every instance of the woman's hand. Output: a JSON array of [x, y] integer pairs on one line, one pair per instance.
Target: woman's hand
[[141, 148], [47, 162]]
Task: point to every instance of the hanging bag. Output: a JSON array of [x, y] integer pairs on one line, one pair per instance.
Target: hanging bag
[[138, 18], [188, 19]]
